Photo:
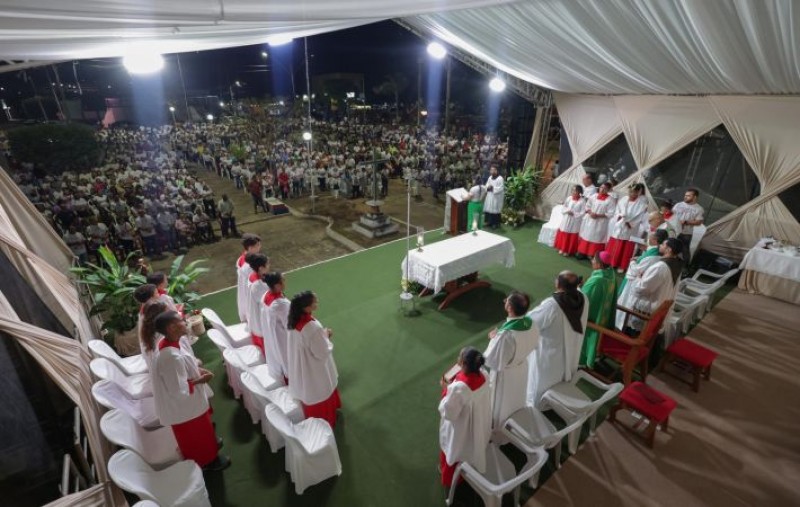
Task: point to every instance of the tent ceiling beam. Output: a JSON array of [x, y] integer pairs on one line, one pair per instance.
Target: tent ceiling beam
[[17, 66], [541, 97]]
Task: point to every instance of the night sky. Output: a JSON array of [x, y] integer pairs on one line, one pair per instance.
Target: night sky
[[374, 50]]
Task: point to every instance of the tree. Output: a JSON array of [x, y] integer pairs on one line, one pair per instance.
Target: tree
[[55, 148], [393, 84]]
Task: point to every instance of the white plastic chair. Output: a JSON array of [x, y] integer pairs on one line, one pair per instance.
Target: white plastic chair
[[528, 428], [500, 478], [570, 403], [157, 447], [237, 335], [238, 361], [694, 287], [135, 386], [547, 234], [180, 485], [112, 396], [129, 365], [290, 406], [686, 311], [311, 452], [145, 503], [697, 236]]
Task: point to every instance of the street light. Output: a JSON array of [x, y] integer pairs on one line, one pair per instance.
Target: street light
[[221, 104], [264, 54], [306, 136], [436, 50], [210, 117], [497, 85], [172, 112]]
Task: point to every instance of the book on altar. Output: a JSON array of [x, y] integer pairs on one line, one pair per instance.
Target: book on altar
[[458, 194]]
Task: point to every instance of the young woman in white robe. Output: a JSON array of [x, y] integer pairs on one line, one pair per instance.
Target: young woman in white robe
[[594, 227], [560, 337], [179, 400], [507, 358], [251, 244], [629, 215], [256, 288], [465, 426], [567, 239], [313, 377], [275, 318]]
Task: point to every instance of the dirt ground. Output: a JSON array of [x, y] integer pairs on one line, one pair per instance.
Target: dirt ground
[[291, 241]]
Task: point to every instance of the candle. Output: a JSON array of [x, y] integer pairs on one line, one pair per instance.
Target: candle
[[474, 223], [420, 239]]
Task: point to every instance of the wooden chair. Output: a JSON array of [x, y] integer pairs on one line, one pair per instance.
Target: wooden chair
[[630, 351]]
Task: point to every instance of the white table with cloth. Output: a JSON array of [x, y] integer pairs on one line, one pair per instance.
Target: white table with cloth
[[772, 272], [452, 265]]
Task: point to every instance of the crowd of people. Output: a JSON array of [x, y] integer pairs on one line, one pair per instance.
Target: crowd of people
[[535, 349]]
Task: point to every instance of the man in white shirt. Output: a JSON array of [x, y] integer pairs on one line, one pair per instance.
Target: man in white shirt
[[690, 214]]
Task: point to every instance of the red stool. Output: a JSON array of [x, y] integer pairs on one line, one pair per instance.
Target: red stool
[[653, 405], [692, 357]]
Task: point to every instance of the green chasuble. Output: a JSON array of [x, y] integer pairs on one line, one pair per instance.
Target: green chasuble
[[520, 324], [474, 208], [601, 291], [650, 252]]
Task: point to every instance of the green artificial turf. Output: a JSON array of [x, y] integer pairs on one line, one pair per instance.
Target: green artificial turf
[[389, 366]]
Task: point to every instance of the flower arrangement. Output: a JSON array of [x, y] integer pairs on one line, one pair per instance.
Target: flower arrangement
[[410, 286]]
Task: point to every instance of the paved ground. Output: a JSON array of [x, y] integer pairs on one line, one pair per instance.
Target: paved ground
[[292, 241]]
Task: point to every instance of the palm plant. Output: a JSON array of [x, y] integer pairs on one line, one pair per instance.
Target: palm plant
[[521, 188], [181, 281]]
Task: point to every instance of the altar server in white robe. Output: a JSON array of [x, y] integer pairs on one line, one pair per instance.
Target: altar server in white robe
[[256, 288], [507, 358], [180, 401], [636, 269], [275, 313], [313, 377], [466, 422], [561, 322], [629, 215], [251, 244], [589, 188], [594, 227], [495, 195], [567, 239], [659, 282]]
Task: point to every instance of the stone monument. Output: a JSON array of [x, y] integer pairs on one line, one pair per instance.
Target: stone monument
[[374, 223]]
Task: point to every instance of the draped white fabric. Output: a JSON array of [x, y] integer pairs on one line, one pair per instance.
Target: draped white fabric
[[73, 29], [590, 122], [656, 126], [634, 47]]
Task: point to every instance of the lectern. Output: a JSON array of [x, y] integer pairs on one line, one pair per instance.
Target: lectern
[[455, 211]]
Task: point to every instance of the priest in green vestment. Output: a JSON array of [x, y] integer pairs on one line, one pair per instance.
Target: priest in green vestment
[[601, 292]]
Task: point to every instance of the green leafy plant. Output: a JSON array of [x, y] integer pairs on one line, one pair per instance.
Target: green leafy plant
[[112, 284], [521, 188], [181, 281]]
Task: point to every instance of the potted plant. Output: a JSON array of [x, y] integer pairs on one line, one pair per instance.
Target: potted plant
[[521, 187], [111, 285]]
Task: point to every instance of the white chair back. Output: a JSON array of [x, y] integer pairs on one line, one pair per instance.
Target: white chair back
[[104, 369], [100, 348], [180, 485], [216, 323], [219, 340], [500, 477], [280, 422], [112, 396], [157, 447], [255, 396], [556, 214]]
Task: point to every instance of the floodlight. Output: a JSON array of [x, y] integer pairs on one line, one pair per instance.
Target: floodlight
[[143, 62], [210, 117], [282, 103], [221, 104], [171, 109], [264, 54], [423, 113], [279, 40], [306, 136], [305, 98], [497, 85], [436, 50]]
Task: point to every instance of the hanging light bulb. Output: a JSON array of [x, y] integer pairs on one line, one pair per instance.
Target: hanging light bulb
[[497, 85], [142, 61], [436, 50]]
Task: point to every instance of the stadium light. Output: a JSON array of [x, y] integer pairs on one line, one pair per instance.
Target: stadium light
[[264, 54], [436, 50], [423, 113], [210, 117], [306, 136], [279, 40], [143, 62], [221, 104], [497, 85], [171, 109]]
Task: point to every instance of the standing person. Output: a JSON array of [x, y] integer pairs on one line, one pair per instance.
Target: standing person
[[251, 244], [475, 195], [507, 358], [256, 288], [124, 231], [275, 312], [589, 188], [255, 188], [227, 221], [495, 193], [567, 236], [148, 336], [76, 243], [669, 220], [658, 283], [180, 402], [628, 218], [601, 293], [690, 214], [312, 372], [594, 227], [466, 423], [147, 231], [636, 269], [561, 321]]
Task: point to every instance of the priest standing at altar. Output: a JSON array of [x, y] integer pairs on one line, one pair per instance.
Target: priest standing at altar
[[495, 194], [507, 358]]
